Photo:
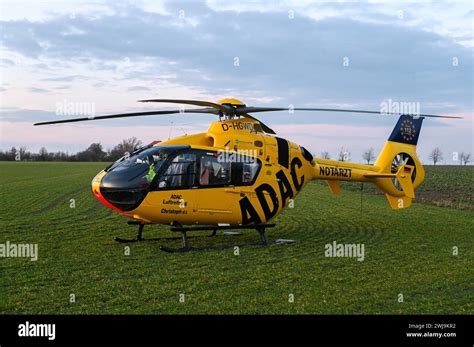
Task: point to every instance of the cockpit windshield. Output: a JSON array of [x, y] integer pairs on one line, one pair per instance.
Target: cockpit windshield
[[128, 180], [145, 156], [142, 164]]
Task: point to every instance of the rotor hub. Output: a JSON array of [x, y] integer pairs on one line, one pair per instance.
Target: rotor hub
[[231, 102]]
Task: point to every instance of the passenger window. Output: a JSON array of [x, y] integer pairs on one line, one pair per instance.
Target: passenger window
[[180, 174], [237, 170], [250, 171], [244, 171], [214, 172]]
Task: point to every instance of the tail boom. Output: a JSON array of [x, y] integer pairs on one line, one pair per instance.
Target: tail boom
[[334, 171], [397, 170]]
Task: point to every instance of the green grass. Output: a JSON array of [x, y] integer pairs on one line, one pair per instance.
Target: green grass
[[408, 252]]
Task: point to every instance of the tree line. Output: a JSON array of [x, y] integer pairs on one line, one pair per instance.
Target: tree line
[[435, 156], [95, 152]]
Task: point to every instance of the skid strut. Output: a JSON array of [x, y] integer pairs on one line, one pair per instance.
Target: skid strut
[[139, 233], [263, 237], [140, 237]]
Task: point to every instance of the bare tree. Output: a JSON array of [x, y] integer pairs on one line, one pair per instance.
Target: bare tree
[[126, 146], [12, 153], [369, 155], [23, 152], [94, 152], [325, 155], [465, 158], [43, 154], [436, 155], [344, 155]]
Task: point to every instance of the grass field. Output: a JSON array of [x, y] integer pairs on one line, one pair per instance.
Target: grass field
[[407, 252]]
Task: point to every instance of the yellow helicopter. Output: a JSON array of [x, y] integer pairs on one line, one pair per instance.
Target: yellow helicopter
[[237, 175]]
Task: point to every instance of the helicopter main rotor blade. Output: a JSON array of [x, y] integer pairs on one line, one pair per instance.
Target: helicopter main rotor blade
[[245, 109], [265, 127], [217, 109], [191, 102], [133, 114]]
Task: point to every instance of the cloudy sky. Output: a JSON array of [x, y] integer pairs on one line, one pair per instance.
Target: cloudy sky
[[105, 55]]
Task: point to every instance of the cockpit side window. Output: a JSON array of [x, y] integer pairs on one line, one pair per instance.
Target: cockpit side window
[[180, 174]]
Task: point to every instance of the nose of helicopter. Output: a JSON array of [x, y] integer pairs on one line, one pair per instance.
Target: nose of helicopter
[[122, 189], [97, 193]]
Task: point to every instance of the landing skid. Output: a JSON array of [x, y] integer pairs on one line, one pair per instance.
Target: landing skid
[[121, 240], [186, 248], [176, 227], [204, 248], [140, 237]]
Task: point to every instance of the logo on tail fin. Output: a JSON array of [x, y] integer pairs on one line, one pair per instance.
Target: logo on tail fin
[[407, 130]]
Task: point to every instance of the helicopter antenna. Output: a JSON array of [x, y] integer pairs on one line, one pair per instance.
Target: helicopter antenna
[[171, 127]]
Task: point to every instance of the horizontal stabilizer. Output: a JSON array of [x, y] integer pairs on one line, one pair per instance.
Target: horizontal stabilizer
[[379, 175], [403, 176]]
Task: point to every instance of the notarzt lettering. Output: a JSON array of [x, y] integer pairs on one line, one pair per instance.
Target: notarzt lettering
[[335, 171]]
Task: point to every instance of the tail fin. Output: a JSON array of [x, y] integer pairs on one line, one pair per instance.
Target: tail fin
[[407, 130], [397, 170], [398, 157]]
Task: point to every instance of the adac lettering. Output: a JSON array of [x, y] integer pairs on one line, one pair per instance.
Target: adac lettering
[[335, 171], [267, 197], [296, 162]]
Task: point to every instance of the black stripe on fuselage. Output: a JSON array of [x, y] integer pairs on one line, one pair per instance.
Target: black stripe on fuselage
[[283, 152]]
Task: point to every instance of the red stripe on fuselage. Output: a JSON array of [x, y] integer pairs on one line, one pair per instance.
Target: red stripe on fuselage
[[99, 197]]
